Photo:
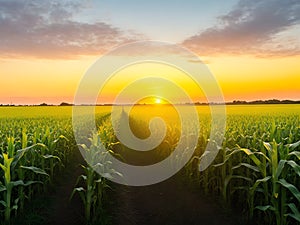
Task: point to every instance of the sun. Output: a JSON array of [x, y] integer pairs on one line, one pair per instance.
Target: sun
[[158, 101], [152, 100]]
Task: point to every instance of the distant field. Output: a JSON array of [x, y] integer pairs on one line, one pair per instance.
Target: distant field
[[46, 111], [42, 111], [256, 170]]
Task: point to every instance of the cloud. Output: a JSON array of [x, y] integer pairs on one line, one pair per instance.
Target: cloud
[[252, 27], [47, 29]]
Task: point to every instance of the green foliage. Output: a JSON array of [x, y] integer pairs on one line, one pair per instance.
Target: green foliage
[[259, 164], [257, 168], [32, 152]]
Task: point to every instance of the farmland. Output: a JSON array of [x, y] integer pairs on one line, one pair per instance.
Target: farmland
[[256, 172]]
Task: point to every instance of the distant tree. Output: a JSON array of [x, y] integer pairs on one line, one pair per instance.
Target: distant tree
[[65, 104]]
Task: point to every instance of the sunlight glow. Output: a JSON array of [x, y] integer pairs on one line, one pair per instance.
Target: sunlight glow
[[157, 101]]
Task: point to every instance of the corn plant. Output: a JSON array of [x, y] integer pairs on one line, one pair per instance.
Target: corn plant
[[10, 159], [93, 185], [30, 151], [266, 173]]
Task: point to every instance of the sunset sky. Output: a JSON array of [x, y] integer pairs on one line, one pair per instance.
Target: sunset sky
[[251, 47]]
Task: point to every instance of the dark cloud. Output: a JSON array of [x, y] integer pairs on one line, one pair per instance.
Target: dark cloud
[[47, 29], [252, 27]]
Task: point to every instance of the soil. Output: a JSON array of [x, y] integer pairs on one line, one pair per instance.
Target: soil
[[63, 210], [56, 207], [167, 203]]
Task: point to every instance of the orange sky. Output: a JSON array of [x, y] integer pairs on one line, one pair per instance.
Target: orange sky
[[47, 46], [30, 81]]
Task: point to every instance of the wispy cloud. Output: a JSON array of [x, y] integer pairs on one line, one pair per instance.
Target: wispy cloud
[[47, 29], [252, 27]]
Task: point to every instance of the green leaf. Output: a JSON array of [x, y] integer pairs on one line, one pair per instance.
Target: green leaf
[[79, 189], [294, 145], [228, 178], [254, 168], [61, 137], [35, 170], [3, 203], [291, 188], [28, 183], [81, 192], [280, 168], [20, 153], [2, 188], [220, 164], [257, 182], [268, 146], [291, 163], [296, 213], [296, 153], [83, 177], [265, 208], [15, 207], [295, 166], [251, 156], [51, 157], [17, 183], [3, 167]]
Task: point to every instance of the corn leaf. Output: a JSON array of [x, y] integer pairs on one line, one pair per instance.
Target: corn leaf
[[296, 213], [265, 208], [3, 203], [254, 168], [291, 188], [81, 192], [51, 157], [296, 153], [294, 145], [35, 170], [2, 188], [257, 182], [19, 154]]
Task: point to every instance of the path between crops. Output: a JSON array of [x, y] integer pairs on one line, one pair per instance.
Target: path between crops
[[64, 211], [55, 208], [167, 203]]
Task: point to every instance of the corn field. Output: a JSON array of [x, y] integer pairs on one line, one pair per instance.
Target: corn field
[[32, 152], [257, 168]]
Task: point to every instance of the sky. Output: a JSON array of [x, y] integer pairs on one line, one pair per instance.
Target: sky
[[251, 47]]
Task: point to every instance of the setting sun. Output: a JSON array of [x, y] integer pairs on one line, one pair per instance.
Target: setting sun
[[157, 101]]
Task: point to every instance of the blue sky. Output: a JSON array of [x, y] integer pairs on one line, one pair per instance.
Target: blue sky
[[161, 20]]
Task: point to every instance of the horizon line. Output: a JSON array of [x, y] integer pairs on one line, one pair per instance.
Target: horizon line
[[234, 102]]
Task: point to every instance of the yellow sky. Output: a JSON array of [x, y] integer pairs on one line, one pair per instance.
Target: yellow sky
[[31, 81], [251, 78]]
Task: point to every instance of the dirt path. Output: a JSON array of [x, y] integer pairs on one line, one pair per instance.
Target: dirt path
[[166, 203], [62, 210], [55, 208]]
